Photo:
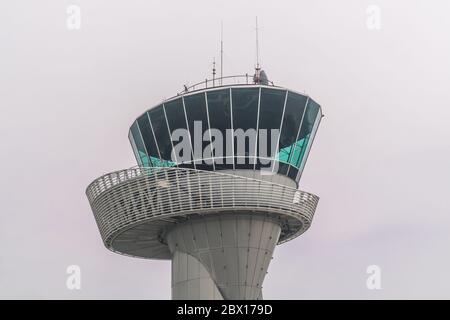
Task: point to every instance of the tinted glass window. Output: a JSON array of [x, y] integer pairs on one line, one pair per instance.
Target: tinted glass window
[[297, 151], [281, 168], [140, 145], [270, 113], [292, 173], [305, 133], [159, 124], [295, 106], [315, 112], [133, 146], [149, 141], [245, 113], [198, 123], [220, 119], [238, 108], [176, 120]]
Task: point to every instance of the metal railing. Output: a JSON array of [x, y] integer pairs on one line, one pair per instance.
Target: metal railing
[[243, 79], [127, 197]]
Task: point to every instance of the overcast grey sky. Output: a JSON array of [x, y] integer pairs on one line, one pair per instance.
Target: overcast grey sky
[[380, 162]]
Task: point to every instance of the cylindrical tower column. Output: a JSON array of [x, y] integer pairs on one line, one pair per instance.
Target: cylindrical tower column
[[190, 279], [234, 249]]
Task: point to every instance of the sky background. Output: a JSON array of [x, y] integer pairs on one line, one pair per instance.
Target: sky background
[[380, 161]]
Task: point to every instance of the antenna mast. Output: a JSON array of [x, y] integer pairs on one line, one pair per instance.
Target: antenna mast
[[221, 51], [214, 71], [256, 77], [257, 45]]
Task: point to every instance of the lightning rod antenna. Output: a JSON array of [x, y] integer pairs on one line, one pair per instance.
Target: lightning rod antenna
[[257, 45], [256, 77], [214, 71], [221, 51]]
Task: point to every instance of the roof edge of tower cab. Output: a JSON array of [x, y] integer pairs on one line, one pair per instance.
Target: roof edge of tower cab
[[222, 87]]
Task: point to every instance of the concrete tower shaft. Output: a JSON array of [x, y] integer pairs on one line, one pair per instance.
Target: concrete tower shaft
[[235, 249], [191, 280]]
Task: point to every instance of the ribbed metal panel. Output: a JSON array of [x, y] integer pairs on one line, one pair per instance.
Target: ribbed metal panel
[[135, 207], [190, 279], [235, 249]]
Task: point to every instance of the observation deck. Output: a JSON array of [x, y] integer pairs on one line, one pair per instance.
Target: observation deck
[[216, 186], [134, 208]]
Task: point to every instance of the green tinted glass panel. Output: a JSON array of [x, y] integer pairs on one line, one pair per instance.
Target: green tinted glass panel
[[133, 146], [144, 159], [140, 145], [303, 149], [295, 106], [307, 148], [147, 136], [309, 119], [296, 153], [293, 113], [161, 163], [283, 154]]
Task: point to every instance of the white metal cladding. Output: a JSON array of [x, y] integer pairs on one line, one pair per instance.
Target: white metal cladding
[[235, 249], [190, 279], [133, 207]]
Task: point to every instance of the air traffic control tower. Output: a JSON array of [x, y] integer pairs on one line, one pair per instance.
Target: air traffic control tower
[[216, 185]]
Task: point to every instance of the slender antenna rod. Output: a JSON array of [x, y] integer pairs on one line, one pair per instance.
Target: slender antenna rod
[[257, 76], [221, 51], [257, 45], [214, 71]]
